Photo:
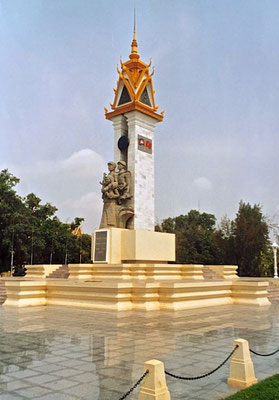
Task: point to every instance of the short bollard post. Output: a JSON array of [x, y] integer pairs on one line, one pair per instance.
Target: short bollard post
[[242, 372], [154, 385]]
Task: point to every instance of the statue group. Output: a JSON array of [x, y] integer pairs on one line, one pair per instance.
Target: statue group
[[116, 184], [116, 190]]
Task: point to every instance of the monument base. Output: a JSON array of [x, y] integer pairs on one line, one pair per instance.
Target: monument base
[[119, 246], [133, 295]]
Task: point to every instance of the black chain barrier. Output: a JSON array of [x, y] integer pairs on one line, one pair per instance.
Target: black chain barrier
[[135, 385], [193, 378], [264, 355]]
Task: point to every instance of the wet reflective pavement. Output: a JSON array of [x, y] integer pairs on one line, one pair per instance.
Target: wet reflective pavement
[[68, 353]]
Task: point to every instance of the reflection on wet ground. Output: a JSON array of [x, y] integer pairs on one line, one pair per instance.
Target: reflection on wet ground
[[61, 353]]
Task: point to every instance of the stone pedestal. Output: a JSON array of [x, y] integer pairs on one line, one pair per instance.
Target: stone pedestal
[[118, 246], [154, 386], [242, 373]]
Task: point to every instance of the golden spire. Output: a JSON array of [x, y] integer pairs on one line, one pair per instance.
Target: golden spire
[[134, 53], [134, 90]]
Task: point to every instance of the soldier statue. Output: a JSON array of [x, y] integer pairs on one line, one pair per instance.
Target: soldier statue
[[116, 191]]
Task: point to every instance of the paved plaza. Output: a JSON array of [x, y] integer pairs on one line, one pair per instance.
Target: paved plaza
[[67, 354]]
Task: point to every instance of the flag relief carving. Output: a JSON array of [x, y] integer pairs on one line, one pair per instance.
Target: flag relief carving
[[145, 144]]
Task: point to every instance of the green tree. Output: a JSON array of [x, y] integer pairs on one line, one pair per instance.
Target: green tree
[[38, 228], [196, 240], [85, 248], [11, 211], [224, 241], [32, 233], [251, 244]]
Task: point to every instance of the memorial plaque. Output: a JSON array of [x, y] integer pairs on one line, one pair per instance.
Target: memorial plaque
[[100, 246]]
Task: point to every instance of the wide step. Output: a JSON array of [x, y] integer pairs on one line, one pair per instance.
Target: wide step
[[3, 293], [60, 273], [210, 275]]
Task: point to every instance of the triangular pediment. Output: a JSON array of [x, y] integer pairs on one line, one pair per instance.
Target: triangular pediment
[[144, 98], [124, 97]]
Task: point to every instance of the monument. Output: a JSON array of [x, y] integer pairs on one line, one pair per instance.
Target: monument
[[131, 269], [126, 231]]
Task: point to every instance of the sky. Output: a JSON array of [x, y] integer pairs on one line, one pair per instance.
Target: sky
[[216, 76]]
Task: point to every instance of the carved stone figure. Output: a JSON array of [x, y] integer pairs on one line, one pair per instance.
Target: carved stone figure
[[124, 182], [110, 183], [115, 194]]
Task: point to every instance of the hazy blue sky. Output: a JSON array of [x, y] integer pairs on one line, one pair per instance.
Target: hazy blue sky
[[216, 76]]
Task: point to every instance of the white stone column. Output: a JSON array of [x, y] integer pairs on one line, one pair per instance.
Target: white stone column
[[141, 165], [120, 128]]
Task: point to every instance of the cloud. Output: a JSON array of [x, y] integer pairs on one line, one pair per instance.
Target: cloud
[[89, 206], [86, 201], [71, 184], [203, 183], [83, 164]]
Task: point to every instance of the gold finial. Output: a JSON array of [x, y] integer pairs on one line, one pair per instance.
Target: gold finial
[[134, 45], [134, 37]]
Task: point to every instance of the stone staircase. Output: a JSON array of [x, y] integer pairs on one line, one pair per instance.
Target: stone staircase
[[60, 273], [273, 292], [3, 293], [210, 275]]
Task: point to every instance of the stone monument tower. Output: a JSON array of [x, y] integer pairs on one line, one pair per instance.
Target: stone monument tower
[[126, 233], [134, 116]]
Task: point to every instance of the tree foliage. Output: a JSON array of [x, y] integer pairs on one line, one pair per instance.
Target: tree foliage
[[196, 241], [243, 241], [33, 233], [250, 237]]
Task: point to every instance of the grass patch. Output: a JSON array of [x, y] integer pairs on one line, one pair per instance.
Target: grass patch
[[268, 389]]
